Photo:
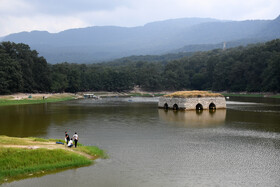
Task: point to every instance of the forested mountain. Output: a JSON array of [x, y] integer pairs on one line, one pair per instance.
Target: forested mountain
[[150, 58], [254, 68], [100, 43], [208, 47]]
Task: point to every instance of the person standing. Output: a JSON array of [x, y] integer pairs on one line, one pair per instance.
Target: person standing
[[76, 138], [67, 138]]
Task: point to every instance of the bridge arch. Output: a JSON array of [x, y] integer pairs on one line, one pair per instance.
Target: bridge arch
[[212, 106], [175, 107], [199, 107]]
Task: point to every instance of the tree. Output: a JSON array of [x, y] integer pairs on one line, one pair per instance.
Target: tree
[[10, 75]]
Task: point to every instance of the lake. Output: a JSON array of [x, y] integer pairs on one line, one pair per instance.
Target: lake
[[147, 146]]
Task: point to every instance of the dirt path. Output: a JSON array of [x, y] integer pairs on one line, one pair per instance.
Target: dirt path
[[50, 145], [36, 96]]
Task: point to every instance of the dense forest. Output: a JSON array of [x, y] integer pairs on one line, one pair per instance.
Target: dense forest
[[254, 68]]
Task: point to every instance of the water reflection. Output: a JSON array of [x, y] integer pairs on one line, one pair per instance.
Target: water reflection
[[151, 147], [193, 118], [24, 120], [34, 120]]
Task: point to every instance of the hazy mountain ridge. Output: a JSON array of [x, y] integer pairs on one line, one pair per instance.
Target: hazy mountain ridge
[[273, 31], [266, 30], [101, 43]]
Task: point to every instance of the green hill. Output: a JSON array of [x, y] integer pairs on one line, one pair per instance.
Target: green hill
[[255, 68]]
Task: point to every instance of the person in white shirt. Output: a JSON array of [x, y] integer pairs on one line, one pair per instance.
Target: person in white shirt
[[70, 143], [76, 138]]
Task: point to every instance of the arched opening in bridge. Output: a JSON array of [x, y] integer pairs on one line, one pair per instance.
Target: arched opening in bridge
[[175, 107], [212, 106], [199, 107], [165, 106]]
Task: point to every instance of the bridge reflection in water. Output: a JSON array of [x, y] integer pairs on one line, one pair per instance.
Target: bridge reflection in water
[[193, 118]]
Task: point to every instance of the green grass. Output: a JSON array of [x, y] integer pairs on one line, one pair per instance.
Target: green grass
[[4, 102], [144, 95], [158, 95], [18, 163], [92, 150], [250, 95], [5, 140], [276, 96], [242, 95], [139, 95], [38, 139]]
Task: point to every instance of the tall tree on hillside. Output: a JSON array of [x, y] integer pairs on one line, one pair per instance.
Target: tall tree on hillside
[[10, 74], [271, 75], [59, 79], [34, 69]]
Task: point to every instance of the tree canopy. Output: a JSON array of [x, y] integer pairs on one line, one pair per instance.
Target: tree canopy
[[254, 68]]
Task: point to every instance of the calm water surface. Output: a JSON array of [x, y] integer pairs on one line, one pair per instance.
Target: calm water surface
[[148, 146]]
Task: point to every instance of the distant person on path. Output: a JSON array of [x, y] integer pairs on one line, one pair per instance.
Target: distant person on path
[[67, 138], [70, 143], [76, 138]]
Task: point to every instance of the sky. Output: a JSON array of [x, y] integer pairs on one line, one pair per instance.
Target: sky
[[58, 15]]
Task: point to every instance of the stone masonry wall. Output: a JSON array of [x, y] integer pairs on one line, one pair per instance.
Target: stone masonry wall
[[190, 103]]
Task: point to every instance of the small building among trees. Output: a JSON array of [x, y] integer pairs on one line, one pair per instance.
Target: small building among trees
[[192, 100]]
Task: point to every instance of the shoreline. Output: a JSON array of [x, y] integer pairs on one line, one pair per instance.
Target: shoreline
[[38, 98], [28, 98], [140, 93], [31, 157], [253, 94]]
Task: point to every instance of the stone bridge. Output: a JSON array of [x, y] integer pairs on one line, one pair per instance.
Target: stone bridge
[[192, 103]]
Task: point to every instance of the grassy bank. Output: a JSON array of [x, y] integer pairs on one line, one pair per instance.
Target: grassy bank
[[275, 96], [251, 95], [145, 94], [38, 98], [242, 95], [26, 157], [125, 94], [162, 93], [224, 94], [18, 163]]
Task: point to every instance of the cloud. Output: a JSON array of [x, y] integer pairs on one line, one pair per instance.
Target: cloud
[[66, 7], [57, 15], [40, 22], [14, 7], [140, 12]]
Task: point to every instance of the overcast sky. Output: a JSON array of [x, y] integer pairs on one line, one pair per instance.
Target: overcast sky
[[58, 15]]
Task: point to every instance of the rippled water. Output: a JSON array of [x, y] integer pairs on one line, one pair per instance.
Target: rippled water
[[148, 146]]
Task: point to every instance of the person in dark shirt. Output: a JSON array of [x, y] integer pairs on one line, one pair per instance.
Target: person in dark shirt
[[67, 138]]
